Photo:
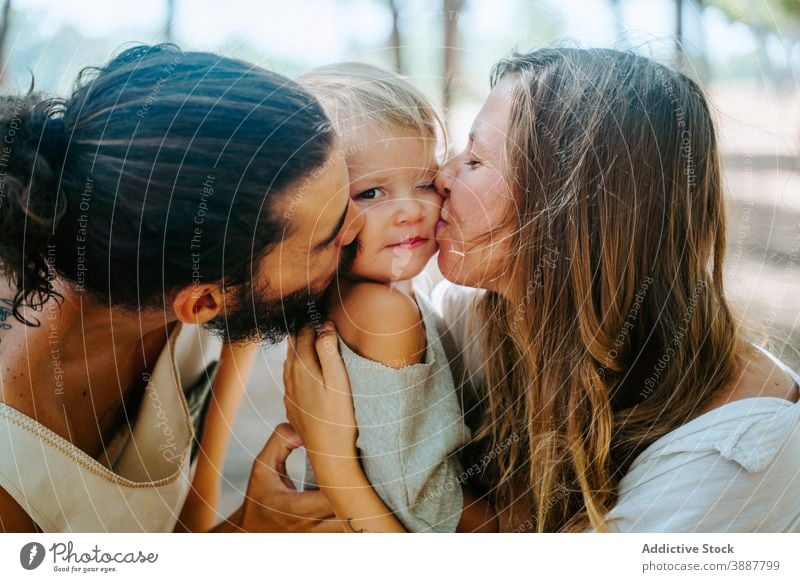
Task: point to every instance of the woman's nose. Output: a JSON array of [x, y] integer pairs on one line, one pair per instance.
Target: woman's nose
[[443, 179]]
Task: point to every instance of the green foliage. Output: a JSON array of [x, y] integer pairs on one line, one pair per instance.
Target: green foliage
[[761, 14]]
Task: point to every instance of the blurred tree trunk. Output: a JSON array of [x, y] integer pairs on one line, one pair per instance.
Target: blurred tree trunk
[[452, 10], [3, 32], [680, 55], [168, 26], [394, 38], [616, 13], [691, 50]]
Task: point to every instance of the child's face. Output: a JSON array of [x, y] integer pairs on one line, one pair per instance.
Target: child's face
[[391, 181]]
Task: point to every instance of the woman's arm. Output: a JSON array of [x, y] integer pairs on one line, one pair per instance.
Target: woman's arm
[[320, 407], [478, 516], [353, 499], [200, 510]]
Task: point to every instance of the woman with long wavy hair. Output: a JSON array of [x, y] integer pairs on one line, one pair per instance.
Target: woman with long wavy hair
[[608, 383]]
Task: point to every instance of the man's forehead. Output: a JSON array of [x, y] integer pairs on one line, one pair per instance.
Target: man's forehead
[[318, 196]]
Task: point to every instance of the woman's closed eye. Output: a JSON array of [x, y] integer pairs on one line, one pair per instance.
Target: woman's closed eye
[[429, 186], [371, 194]]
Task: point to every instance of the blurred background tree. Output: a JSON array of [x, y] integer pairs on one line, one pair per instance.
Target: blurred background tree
[[775, 22]]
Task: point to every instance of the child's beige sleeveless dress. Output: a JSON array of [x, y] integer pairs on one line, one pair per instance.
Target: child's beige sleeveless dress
[[141, 481]]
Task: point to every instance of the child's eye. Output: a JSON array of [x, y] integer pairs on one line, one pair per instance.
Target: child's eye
[[471, 163], [370, 194]]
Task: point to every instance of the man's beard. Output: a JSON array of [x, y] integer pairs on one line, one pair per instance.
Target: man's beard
[[256, 319]]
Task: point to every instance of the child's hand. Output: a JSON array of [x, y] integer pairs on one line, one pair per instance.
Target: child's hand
[[318, 400]]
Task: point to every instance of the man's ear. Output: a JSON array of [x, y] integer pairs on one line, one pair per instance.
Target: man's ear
[[198, 303]]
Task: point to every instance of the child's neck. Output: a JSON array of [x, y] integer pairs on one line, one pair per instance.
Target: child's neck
[[403, 285]]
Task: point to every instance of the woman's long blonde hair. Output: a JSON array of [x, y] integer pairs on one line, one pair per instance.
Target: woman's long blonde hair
[[616, 270]]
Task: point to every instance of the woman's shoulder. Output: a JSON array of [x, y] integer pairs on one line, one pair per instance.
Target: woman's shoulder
[[747, 423], [737, 463], [453, 304], [759, 374]]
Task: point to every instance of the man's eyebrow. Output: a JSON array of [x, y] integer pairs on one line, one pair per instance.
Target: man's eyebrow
[[336, 230]]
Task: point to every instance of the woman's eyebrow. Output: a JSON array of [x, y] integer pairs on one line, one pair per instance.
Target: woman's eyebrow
[[336, 230], [471, 142]]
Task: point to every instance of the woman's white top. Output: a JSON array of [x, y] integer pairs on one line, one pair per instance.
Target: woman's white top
[[733, 469], [141, 481]]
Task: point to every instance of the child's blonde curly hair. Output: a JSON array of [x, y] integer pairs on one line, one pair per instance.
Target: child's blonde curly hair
[[356, 94]]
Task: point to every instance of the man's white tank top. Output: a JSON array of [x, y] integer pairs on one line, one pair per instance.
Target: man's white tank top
[[141, 481]]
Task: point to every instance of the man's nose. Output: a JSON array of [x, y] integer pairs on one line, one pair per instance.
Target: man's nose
[[352, 225]]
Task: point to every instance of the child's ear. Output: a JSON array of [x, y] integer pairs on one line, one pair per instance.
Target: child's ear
[[198, 303]]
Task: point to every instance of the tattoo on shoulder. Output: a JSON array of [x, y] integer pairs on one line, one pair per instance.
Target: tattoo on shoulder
[[6, 313]]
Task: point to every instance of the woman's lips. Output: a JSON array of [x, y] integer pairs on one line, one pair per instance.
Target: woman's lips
[[440, 225]]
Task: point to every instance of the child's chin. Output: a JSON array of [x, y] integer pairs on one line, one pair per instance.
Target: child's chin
[[417, 265], [393, 271]]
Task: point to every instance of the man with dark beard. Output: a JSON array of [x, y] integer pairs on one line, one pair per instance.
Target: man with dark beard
[[259, 319], [171, 193]]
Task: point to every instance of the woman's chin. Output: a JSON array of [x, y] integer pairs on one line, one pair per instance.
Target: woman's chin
[[450, 263]]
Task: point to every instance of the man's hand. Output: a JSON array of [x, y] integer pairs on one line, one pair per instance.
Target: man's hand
[[273, 504]]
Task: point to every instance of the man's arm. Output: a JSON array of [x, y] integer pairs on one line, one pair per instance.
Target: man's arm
[[200, 509], [14, 519]]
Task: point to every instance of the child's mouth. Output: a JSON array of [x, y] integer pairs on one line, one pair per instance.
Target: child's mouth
[[411, 243]]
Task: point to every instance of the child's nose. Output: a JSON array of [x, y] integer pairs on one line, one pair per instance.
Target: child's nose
[[409, 210]]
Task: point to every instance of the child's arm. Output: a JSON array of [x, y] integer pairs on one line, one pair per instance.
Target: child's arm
[[380, 324], [319, 405], [200, 510]]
